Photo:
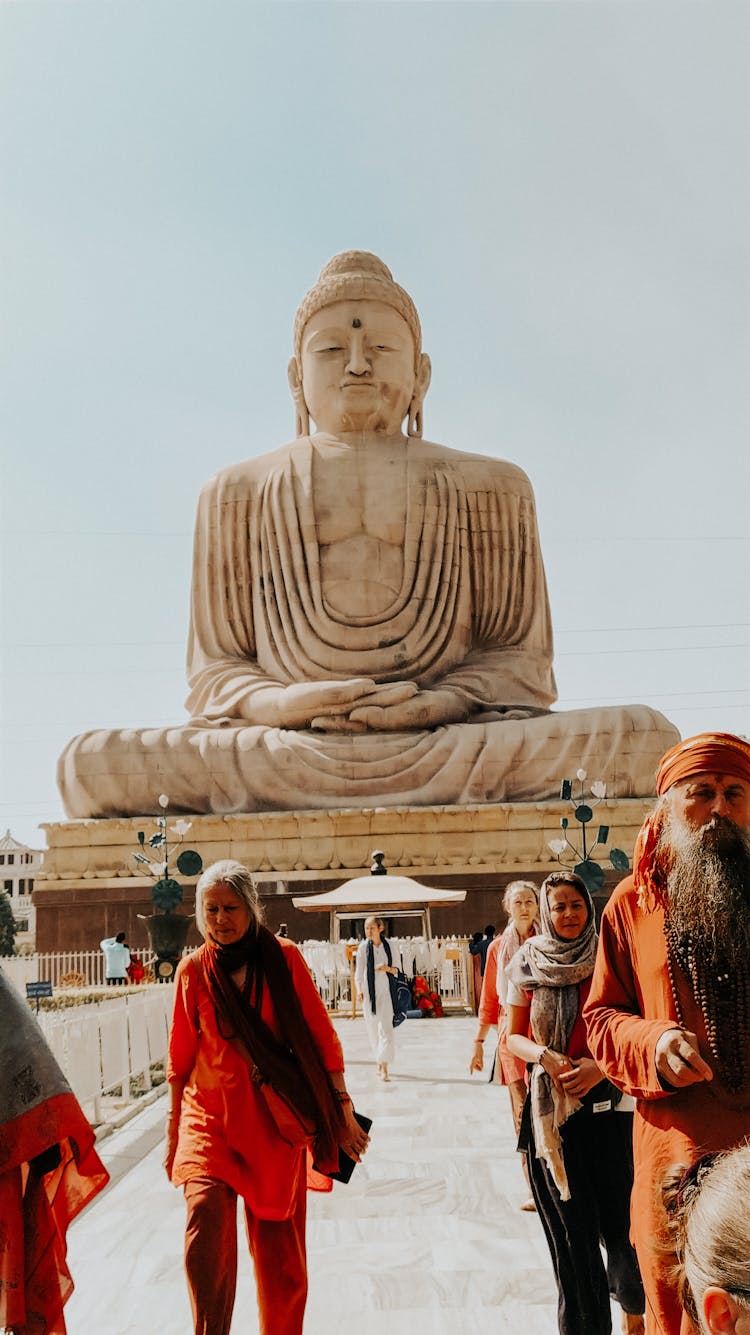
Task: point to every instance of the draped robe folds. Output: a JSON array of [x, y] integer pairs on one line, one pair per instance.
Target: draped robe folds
[[471, 614]]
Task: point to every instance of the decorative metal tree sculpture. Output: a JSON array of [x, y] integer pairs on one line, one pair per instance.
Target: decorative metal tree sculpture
[[590, 872], [167, 929]]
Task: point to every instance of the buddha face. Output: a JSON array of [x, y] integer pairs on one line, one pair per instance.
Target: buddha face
[[358, 367]]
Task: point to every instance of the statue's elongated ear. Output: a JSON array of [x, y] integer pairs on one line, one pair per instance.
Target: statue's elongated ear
[[421, 386], [301, 415]]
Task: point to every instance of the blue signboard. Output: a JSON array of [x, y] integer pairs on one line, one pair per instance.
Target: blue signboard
[[41, 989]]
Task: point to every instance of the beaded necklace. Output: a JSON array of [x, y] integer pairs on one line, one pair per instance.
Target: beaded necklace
[[723, 995]]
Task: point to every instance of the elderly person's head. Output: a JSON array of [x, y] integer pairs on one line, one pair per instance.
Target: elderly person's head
[[710, 1226], [226, 903]]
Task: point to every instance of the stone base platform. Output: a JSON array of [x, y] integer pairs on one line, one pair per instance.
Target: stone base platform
[[88, 888]]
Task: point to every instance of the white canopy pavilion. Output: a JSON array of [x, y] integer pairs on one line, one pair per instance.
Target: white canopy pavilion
[[392, 896]]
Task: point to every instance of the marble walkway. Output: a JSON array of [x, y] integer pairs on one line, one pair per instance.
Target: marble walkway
[[428, 1235]]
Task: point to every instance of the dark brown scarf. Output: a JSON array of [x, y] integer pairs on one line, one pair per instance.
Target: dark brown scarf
[[292, 1065]]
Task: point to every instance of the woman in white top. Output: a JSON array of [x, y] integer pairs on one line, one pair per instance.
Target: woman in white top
[[377, 962]]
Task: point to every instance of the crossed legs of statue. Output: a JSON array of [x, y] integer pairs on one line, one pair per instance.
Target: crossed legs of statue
[[211, 769]]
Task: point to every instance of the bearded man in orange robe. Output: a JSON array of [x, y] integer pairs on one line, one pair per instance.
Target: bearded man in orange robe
[[668, 1013]]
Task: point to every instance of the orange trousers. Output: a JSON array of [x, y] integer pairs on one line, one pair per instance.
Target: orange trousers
[[277, 1247]]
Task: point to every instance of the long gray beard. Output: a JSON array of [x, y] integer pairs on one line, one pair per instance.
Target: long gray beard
[[708, 933]]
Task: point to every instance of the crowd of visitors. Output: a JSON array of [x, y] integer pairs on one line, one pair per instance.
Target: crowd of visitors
[[651, 1012]]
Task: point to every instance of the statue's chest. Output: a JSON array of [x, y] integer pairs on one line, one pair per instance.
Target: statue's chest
[[359, 495]]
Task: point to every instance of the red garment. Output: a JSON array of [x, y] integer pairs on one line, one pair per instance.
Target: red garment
[[630, 1006], [226, 1131], [35, 1212], [37, 1112], [279, 1260], [135, 970], [489, 1004], [512, 1069], [578, 1042]]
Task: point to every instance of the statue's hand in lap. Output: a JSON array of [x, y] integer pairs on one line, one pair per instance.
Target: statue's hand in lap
[[379, 699], [424, 709], [324, 704]]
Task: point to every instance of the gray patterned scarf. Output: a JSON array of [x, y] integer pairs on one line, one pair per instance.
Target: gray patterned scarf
[[551, 969]]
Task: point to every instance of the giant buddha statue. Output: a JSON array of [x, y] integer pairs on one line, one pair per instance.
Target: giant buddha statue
[[369, 621]]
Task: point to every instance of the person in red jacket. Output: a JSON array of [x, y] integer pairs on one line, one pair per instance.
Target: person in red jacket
[[247, 1009], [668, 1013]]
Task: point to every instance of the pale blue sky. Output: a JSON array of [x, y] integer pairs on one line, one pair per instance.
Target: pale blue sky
[[562, 187]]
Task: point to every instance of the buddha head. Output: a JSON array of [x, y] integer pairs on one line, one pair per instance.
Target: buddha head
[[358, 364]]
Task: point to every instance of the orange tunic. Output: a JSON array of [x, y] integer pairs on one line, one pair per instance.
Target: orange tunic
[[226, 1131], [630, 1006]]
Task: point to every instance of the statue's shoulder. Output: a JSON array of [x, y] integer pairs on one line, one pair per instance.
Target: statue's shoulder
[[479, 471], [244, 477]]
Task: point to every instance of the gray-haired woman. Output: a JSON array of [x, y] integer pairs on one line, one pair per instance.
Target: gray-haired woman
[[707, 1206], [246, 1013]]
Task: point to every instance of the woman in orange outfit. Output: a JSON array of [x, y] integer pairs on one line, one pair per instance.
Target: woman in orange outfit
[[246, 991]]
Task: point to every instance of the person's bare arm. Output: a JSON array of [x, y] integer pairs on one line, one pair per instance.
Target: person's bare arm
[[354, 1140], [477, 1052], [176, 1089], [556, 1064]]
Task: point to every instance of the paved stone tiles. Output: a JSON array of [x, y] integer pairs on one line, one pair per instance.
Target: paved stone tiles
[[428, 1236]]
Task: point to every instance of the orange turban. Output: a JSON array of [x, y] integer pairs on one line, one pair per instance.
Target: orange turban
[[708, 753]]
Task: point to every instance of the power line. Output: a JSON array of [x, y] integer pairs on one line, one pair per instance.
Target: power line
[[629, 630], [94, 533], [652, 695], [661, 649]]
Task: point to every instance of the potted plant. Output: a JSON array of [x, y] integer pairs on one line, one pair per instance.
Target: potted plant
[[167, 928]]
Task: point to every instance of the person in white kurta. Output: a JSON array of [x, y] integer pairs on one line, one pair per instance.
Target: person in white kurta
[[380, 1022]]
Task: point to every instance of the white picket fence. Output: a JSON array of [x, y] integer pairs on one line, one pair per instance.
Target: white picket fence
[[59, 967], [101, 1047], [444, 963]]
